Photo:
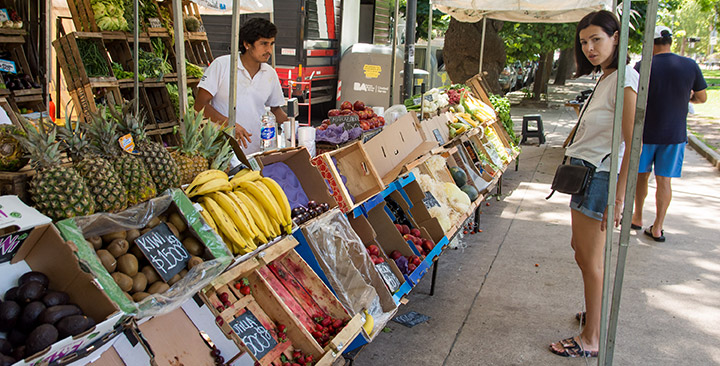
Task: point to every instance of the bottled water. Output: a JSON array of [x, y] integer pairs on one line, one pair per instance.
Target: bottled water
[[268, 131]]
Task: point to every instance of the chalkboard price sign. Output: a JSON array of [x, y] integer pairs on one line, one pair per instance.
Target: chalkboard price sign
[[390, 280], [350, 121], [253, 334], [164, 251], [430, 201]]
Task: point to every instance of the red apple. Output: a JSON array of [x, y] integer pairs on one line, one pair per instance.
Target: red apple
[[346, 112], [374, 250], [412, 267], [370, 112], [322, 127], [359, 106], [378, 260], [428, 245], [416, 260], [395, 254], [374, 122], [409, 238], [362, 115], [419, 248], [417, 241], [333, 112], [346, 105], [399, 228], [416, 232], [381, 121], [405, 229], [364, 125]]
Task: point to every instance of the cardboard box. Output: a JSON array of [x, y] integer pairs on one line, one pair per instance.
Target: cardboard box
[[16, 221], [44, 250], [398, 144], [368, 236], [216, 254], [281, 284], [436, 128], [353, 163], [298, 160]]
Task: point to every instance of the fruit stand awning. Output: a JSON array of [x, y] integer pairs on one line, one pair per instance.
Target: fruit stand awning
[[209, 6], [526, 11]]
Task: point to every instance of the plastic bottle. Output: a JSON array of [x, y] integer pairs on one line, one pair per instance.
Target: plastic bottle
[[268, 131]]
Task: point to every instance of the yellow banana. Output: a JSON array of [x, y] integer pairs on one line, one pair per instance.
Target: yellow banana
[[224, 223], [205, 177], [242, 172], [249, 177], [281, 199], [255, 212], [237, 217], [208, 219], [268, 222], [271, 198], [369, 324], [248, 216], [214, 185], [266, 200]]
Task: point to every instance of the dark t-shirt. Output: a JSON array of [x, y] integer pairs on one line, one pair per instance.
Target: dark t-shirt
[[671, 79]]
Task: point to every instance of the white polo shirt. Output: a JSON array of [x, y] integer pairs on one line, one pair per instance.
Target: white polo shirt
[[593, 140], [253, 94]]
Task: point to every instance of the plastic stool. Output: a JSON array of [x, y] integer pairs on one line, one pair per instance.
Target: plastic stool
[[539, 132]]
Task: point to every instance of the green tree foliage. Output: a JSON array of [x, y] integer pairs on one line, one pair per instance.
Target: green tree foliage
[[712, 6], [689, 19], [527, 41], [440, 20]]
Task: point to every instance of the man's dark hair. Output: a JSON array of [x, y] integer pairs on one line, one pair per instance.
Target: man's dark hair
[[254, 29], [609, 24], [666, 38]]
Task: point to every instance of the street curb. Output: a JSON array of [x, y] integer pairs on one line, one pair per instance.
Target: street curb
[[699, 146]]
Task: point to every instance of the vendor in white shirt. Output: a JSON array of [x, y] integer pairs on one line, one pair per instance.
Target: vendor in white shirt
[[258, 85]]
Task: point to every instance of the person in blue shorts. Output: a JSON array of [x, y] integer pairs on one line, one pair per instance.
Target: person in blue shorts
[[674, 80]]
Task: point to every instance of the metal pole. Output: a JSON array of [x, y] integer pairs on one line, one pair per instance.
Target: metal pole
[[48, 49], [410, 17], [272, 20], [482, 45], [234, 59], [635, 149], [393, 50], [136, 57], [179, 23], [617, 136], [428, 51]]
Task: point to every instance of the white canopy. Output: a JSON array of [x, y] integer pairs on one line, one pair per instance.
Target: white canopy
[[526, 11], [206, 6]]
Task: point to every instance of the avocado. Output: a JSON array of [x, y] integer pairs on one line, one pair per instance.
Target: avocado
[[30, 314], [19, 352], [6, 360], [34, 276], [30, 291], [73, 325], [40, 338], [11, 294], [17, 338], [9, 315], [5, 346], [53, 298], [52, 314]]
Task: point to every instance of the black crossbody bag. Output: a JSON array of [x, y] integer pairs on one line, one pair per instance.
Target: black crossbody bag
[[573, 179]]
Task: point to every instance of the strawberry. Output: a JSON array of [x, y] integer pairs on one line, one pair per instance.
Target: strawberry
[[282, 328], [237, 285], [316, 334], [286, 364], [224, 296], [296, 354], [308, 359], [220, 308], [337, 324], [245, 281], [245, 290], [219, 320], [326, 322]]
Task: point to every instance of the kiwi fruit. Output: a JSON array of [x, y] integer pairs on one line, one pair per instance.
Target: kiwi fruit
[[128, 264], [174, 279], [118, 247], [173, 229], [177, 221], [135, 250], [34, 276], [107, 259], [123, 280], [140, 296], [155, 221], [31, 291], [95, 241], [139, 282], [193, 246], [194, 261], [151, 275], [158, 287], [183, 273], [145, 230], [132, 234], [108, 238]]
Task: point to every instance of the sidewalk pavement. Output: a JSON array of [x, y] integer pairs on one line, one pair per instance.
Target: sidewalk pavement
[[516, 288]]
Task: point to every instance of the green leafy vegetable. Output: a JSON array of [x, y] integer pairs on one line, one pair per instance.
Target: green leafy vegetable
[[92, 58]]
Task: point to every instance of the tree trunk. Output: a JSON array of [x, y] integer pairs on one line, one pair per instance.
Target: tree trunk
[[566, 64], [541, 80], [462, 52]]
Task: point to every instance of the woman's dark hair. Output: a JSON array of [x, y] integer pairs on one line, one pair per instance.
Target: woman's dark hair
[[254, 29], [609, 24]]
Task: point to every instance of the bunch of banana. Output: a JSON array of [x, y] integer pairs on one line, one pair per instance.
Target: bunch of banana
[[247, 210]]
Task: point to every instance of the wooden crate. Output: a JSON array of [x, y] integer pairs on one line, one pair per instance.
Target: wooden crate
[[16, 183], [86, 98], [82, 15], [282, 284], [72, 65], [12, 35], [198, 51]]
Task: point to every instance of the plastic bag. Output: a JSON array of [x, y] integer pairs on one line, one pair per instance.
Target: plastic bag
[[394, 112], [350, 271], [136, 217]]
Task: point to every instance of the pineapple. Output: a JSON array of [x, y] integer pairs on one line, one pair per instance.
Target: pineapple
[[160, 164], [212, 140], [139, 186], [187, 155], [12, 153], [223, 157], [58, 191], [104, 184]]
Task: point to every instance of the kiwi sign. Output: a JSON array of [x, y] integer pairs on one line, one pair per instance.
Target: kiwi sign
[[164, 251]]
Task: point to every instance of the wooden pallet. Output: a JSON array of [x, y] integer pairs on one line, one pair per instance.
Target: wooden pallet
[[72, 64]]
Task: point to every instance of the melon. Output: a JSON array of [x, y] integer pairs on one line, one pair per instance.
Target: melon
[[470, 191], [458, 176], [12, 153]]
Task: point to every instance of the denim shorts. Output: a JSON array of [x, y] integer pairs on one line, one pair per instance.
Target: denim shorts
[[594, 201]]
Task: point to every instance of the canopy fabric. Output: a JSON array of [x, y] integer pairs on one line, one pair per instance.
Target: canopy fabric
[[524, 11], [206, 6]]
